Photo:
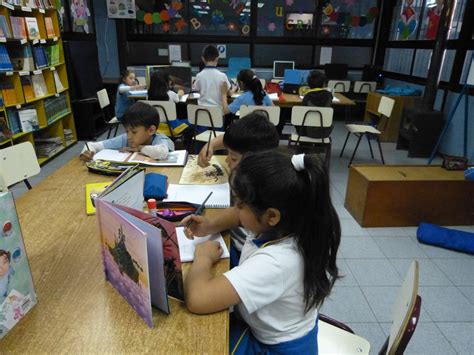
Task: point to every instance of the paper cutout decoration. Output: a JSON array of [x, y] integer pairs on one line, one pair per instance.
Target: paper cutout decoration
[[407, 23]]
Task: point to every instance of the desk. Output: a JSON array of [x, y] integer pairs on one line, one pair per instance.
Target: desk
[[77, 310]]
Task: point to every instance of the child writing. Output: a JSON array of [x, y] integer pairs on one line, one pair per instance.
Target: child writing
[[128, 83], [209, 80], [253, 93], [251, 133], [140, 122], [287, 270]]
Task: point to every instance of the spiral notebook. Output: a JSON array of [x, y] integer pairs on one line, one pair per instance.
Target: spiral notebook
[[220, 197]]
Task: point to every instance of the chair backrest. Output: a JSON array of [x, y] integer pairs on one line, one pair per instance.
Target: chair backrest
[[166, 109], [405, 312], [263, 81], [272, 112], [386, 106], [103, 98], [364, 86], [310, 116], [339, 85], [208, 116], [17, 163]]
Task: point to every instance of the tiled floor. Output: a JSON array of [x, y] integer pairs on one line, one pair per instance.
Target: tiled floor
[[374, 262]]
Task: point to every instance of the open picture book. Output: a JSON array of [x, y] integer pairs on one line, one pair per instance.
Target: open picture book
[[174, 158]]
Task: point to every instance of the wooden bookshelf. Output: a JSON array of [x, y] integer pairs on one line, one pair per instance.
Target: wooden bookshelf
[[51, 100]]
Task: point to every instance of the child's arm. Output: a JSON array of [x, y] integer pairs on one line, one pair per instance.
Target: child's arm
[[90, 149], [223, 220], [205, 293], [158, 152], [216, 143], [225, 106]]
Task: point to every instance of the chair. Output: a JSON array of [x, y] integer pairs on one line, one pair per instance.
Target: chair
[[372, 130], [272, 112], [339, 85], [263, 82], [336, 338], [317, 118], [363, 87], [109, 117], [207, 116], [17, 163], [167, 113]]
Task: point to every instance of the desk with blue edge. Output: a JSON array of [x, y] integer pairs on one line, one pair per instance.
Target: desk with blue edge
[[77, 310]]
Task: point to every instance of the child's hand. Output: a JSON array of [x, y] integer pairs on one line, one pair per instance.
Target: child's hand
[[205, 156], [199, 227], [180, 93], [139, 87], [129, 149], [86, 156], [209, 249]]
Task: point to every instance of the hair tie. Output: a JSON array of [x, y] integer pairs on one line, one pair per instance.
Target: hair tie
[[298, 162], [254, 77]]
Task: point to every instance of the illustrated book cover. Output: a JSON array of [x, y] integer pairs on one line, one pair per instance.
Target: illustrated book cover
[[215, 173], [17, 294]]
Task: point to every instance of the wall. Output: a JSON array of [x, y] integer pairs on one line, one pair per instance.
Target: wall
[[106, 35]]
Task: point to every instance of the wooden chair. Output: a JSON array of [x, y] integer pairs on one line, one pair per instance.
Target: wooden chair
[[339, 85], [372, 130], [108, 111], [167, 113], [336, 338], [319, 119], [363, 87], [207, 116], [17, 163], [272, 112]]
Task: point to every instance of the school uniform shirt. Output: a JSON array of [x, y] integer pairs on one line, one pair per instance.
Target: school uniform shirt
[[173, 96], [247, 99], [122, 102], [317, 97], [158, 149], [208, 83], [269, 282]]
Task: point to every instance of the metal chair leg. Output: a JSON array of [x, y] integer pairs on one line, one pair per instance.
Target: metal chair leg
[[110, 131], [370, 146], [27, 183], [328, 155], [116, 129], [380, 149], [345, 142], [355, 150]]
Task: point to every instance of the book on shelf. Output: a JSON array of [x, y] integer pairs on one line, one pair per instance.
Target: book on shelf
[[17, 292], [28, 120], [13, 120], [55, 107], [57, 81], [27, 85], [8, 91], [68, 136], [32, 28], [141, 259], [39, 85], [41, 59], [48, 146], [174, 158], [4, 28], [52, 53], [220, 197], [18, 27], [192, 173], [21, 58], [5, 63], [48, 23]]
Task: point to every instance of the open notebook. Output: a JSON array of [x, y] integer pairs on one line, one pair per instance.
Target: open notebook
[[187, 246], [220, 197]]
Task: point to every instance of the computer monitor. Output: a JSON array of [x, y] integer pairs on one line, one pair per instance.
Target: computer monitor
[[279, 68], [181, 77], [334, 71]]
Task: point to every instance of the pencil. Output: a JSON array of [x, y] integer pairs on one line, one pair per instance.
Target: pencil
[[208, 143], [200, 209], [87, 146]]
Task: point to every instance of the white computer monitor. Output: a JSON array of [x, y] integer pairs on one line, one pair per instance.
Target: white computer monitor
[[279, 67]]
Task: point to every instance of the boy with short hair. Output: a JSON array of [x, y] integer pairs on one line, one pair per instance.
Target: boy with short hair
[[209, 80], [251, 133], [140, 121]]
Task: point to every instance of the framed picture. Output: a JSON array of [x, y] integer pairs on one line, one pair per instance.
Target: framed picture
[[81, 17]]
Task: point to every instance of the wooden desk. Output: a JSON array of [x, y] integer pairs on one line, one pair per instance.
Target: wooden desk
[[77, 310]]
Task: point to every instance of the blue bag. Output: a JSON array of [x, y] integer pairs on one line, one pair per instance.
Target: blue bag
[[446, 238], [155, 186]]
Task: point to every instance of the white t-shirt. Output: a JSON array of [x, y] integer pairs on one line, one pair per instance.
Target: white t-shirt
[[269, 281], [208, 83], [173, 96]]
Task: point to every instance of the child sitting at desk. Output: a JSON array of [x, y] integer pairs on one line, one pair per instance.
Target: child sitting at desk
[[140, 121], [128, 83], [253, 93], [287, 270]]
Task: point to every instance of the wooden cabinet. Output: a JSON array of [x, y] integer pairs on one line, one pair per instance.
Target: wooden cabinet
[[390, 132], [35, 103]]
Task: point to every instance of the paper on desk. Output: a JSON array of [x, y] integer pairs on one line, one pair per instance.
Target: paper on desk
[[184, 98], [138, 92], [273, 96], [335, 99], [187, 246]]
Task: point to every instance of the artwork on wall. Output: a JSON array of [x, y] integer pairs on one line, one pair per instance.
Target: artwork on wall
[[166, 16], [408, 20], [433, 15], [121, 9], [81, 19]]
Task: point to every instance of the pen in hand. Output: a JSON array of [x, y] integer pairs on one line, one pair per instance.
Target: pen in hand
[[199, 210], [208, 144]]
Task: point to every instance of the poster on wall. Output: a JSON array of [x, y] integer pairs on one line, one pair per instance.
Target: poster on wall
[[81, 19], [121, 9]]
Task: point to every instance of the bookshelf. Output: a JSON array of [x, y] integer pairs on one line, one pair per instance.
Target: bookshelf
[[35, 104]]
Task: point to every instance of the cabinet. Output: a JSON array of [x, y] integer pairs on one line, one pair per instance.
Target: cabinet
[[35, 103], [392, 125]]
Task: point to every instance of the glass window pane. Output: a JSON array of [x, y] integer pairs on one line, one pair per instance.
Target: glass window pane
[[290, 18], [422, 62], [265, 54], [431, 15], [349, 19], [229, 18], [467, 65], [154, 17], [456, 23], [398, 60], [447, 64], [405, 20]]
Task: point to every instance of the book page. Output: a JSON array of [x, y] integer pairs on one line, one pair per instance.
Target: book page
[[192, 173], [175, 158], [111, 155], [220, 197], [128, 192], [187, 246]]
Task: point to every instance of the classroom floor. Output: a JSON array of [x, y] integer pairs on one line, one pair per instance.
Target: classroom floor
[[374, 262]]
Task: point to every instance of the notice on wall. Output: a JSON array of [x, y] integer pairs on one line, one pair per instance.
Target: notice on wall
[[325, 56], [174, 52], [222, 49], [121, 9]]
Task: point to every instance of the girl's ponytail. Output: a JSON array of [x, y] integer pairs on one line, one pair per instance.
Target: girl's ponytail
[[252, 83]]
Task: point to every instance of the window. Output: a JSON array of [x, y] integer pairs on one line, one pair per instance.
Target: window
[[466, 66], [422, 62], [398, 60], [405, 20], [349, 19]]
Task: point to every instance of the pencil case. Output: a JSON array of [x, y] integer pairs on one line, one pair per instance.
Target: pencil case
[[105, 167], [155, 186], [175, 211]]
